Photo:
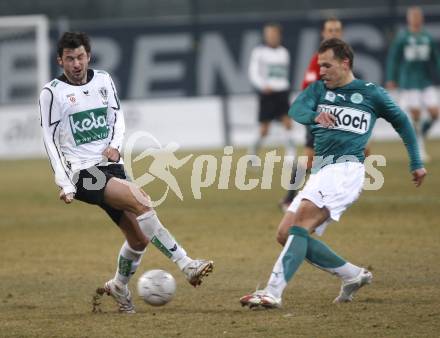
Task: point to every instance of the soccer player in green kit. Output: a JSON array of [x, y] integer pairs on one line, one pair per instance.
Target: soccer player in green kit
[[342, 111], [411, 55]]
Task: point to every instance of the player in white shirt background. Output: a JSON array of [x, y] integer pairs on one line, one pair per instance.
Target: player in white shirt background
[[83, 129], [269, 74]]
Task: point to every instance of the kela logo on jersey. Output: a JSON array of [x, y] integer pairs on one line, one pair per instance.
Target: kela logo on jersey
[[104, 95], [348, 119], [277, 71], [90, 125]]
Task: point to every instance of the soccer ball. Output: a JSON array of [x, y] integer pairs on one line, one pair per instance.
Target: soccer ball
[[156, 287]]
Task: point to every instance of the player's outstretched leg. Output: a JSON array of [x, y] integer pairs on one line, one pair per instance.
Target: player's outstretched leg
[[127, 196], [194, 269]]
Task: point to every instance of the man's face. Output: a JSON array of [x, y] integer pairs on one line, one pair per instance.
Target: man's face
[[332, 70], [75, 63], [414, 19], [332, 29], [272, 36]]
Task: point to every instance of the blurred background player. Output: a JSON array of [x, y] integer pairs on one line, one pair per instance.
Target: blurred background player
[[334, 184], [269, 74], [83, 130], [409, 68]]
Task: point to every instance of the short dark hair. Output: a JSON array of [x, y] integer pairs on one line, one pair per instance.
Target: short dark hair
[[341, 49], [72, 40]]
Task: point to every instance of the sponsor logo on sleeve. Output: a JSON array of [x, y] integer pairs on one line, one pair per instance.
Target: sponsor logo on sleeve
[[330, 96], [348, 119], [90, 125]]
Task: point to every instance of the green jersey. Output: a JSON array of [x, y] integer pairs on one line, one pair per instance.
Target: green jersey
[[356, 107], [410, 58]]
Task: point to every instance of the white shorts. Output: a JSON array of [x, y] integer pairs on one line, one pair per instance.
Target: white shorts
[[419, 99], [335, 187]]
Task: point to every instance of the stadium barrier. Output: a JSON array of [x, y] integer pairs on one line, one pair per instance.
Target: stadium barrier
[[194, 123]]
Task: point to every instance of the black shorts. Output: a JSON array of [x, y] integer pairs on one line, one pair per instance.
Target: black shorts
[[310, 138], [91, 184], [273, 106]]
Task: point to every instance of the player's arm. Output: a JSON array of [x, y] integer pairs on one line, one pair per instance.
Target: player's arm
[[393, 62], [50, 119], [401, 123], [255, 76], [112, 152], [303, 109]]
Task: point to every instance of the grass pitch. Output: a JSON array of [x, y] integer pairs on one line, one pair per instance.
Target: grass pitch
[[54, 256]]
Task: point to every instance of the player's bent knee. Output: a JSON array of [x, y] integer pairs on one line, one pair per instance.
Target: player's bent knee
[[141, 200], [127, 196], [142, 203], [286, 223], [282, 237]]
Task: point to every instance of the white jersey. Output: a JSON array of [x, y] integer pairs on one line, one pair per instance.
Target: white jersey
[[269, 68], [79, 122]]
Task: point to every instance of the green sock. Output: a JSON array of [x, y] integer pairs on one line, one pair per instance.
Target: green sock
[[289, 260], [318, 253], [296, 253]]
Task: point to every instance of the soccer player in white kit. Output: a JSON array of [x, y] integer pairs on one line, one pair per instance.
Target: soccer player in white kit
[[83, 130], [269, 74]]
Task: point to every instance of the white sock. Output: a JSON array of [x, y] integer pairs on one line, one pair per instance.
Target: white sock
[[277, 283], [128, 262], [346, 272], [162, 239]]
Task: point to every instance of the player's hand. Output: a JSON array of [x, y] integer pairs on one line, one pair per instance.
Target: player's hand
[[67, 198], [391, 85], [419, 176], [326, 120], [112, 154]]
